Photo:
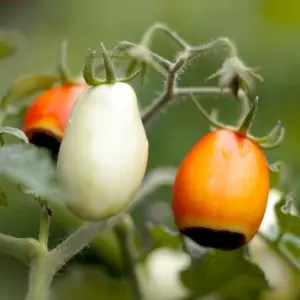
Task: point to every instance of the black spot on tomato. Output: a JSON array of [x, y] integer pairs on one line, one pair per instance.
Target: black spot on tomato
[[219, 239], [46, 141]]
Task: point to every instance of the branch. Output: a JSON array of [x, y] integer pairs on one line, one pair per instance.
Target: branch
[[126, 239], [82, 237]]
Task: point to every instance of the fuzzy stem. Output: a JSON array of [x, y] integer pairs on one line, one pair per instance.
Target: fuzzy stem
[[44, 227], [156, 106], [186, 91], [149, 34], [129, 254], [40, 279], [82, 237]]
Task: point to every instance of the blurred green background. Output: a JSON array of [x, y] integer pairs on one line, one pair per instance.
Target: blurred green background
[[266, 33]]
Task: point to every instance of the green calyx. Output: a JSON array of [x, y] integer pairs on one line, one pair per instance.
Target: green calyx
[[109, 69], [271, 141]]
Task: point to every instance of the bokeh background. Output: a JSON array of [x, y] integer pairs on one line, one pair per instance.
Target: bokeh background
[[267, 35]]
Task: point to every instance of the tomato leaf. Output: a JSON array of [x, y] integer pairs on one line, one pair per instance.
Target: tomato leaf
[[289, 226], [6, 49], [9, 41], [3, 198], [25, 86], [31, 166], [226, 274], [14, 132], [163, 237]]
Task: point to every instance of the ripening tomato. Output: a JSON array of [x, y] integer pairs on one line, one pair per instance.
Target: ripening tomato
[[47, 117], [221, 190]]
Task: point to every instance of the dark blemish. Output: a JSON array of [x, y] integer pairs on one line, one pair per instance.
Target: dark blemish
[[219, 239], [49, 142]]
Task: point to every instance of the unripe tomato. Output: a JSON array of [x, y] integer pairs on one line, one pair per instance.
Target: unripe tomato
[[46, 118], [104, 152], [221, 190]]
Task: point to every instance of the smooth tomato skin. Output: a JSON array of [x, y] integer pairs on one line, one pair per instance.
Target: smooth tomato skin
[[50, 112], [222, 184]]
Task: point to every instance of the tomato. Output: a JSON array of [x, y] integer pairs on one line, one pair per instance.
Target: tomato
[[46, 118], [221, 190], [104, 152]]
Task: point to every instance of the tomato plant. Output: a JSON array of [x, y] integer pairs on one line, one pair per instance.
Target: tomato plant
[[97, 133]]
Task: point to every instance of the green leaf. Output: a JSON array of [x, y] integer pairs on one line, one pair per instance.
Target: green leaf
[[9, 41], [6, 49], [30, 166], [3, 199], [226, 274], [14, 132], [163, 237], [25, 86], [289, 227], [287, 222]]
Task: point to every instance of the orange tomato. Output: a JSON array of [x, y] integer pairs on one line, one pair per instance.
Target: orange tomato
[[221, 190], [47, 117]]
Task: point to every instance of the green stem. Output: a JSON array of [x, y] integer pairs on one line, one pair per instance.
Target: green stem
[[82, 237], [108, 66], [210, 118], [65, 73], [247, 120], [44, 226], [39, 286], [222, 41], [186, 91], [88, 70], [156, 106], [148, 36], [244, 104], [126, 240]]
